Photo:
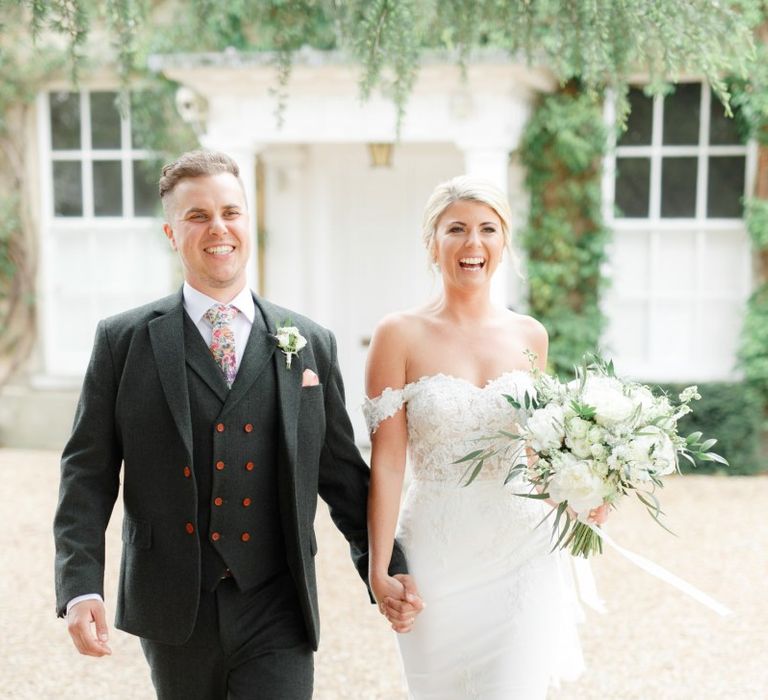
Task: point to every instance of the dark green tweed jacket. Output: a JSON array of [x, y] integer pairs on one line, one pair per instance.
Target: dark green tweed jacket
[[134, 412]]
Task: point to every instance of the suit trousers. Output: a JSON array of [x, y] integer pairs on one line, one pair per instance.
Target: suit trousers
[[249, 645]]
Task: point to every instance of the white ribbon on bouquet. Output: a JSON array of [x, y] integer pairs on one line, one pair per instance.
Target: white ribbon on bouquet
[[661, 573]]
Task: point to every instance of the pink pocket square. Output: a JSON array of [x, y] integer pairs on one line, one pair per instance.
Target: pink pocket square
[[309, 378]]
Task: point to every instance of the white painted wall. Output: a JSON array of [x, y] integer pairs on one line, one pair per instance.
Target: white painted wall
[[344, 241]]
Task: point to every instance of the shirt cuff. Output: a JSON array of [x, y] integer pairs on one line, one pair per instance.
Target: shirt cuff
[[81, 598]]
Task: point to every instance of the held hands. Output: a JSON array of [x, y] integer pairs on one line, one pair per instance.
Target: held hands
[[87, 625], [398, 599]]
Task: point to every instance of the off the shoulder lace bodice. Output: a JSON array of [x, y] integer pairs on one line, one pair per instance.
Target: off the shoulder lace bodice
[[446, 415]]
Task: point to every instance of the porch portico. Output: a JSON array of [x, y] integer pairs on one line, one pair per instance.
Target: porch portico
[[338, 237]]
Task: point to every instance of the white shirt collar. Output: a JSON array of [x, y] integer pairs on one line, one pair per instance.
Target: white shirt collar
[[196, 303]]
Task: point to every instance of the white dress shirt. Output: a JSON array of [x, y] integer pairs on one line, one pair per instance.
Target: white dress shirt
[[196, 304]]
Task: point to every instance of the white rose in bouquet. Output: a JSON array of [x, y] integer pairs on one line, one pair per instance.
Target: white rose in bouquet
[[643, 396], [664, 453], [576, 427], [546, 428], [651, 453], [581, 448], [575, 481], [606, 396], [576, 436]]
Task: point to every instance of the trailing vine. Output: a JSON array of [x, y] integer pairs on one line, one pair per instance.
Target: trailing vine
[[25, 68], [565, 238], [750, 97], [599, 44]]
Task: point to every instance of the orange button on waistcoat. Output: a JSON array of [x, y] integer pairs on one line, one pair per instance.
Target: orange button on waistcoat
[[249, 466], [248, 427], [190, 528], [215, 536], [219, 427], [218, 501], [187, 472], [245, 537], [219, 465], [246, 502]]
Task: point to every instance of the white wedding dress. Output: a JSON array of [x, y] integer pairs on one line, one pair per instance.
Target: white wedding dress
[[501, 610]]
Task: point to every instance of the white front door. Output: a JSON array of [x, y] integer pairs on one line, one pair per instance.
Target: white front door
[[379, 262], [344, 240]]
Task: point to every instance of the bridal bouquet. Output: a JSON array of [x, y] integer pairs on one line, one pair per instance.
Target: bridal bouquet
[[596, 438]]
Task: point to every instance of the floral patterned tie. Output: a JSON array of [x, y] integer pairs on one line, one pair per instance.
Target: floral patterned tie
[[223, 339]]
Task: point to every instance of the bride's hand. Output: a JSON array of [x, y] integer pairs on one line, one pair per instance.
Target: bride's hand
[[398, 600], [600, 514], [597, 516]]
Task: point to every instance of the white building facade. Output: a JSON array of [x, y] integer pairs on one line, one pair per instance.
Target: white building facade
[[337, 237]]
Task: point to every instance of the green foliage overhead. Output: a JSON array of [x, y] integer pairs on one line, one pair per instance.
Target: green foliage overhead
[[599, 42], [730, 412], [750, 97], [564, 239]]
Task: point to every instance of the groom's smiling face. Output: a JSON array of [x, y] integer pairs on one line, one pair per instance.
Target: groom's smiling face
[[208, 227]]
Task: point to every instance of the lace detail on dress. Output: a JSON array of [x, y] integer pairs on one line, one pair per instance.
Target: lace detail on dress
[[448, 416], [383, 406], [482, 564]]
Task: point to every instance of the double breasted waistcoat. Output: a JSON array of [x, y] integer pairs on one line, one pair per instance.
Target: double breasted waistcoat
[[135, 413], [234, 457]]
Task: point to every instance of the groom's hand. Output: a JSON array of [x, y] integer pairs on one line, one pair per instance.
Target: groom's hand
[[401, 611], [87, 625]]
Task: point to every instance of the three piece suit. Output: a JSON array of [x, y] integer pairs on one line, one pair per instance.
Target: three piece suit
[[220, 485]]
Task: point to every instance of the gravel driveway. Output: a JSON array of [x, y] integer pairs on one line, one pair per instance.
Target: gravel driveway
[[652, 643]]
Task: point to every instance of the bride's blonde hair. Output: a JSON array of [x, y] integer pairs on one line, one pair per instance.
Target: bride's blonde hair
[[467, 188]]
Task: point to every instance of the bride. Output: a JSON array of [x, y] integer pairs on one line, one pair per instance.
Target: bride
[[499, 612]]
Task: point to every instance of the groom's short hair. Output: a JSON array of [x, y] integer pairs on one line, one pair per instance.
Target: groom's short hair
[[199, 163]]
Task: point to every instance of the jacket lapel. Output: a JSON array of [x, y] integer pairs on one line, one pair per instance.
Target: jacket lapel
[[166, 333], [199, 358], [288, 383], [256, 356]]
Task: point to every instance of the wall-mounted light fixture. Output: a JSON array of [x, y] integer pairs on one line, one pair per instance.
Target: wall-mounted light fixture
[[381, 154], [192, 108]]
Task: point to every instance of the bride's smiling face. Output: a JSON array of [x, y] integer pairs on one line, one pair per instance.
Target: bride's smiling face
[[468, 244]]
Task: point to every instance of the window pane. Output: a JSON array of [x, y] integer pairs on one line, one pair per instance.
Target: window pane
[[681, 115], [146, 201], [105, 120], [722, 129], [678, 187], [725, 187], [67, 188], [65, 120], [633, 186], [640, 120], [107, 188]]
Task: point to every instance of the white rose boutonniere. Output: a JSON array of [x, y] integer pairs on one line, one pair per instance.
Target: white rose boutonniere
[[290, 341]]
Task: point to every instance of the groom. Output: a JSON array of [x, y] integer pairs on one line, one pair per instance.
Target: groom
[[226, 434]]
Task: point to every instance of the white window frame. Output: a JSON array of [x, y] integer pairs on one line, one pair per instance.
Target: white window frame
[[53, 374], [86, 154], [658, 150], [656, 226]]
